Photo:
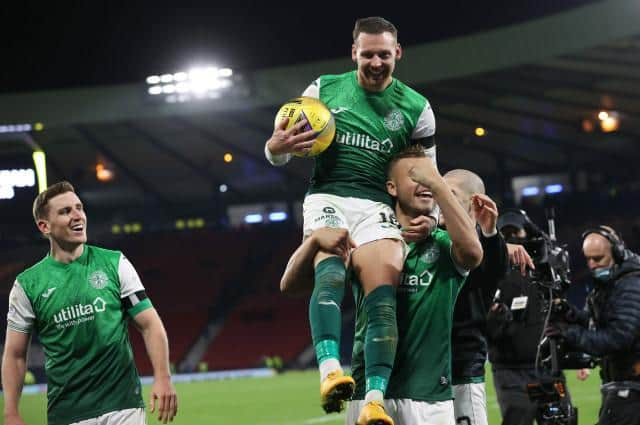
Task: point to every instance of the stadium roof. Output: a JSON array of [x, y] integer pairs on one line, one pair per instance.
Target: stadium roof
[[530, 85], [49, 46]]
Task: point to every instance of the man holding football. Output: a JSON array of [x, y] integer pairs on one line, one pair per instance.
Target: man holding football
[[376, 117]]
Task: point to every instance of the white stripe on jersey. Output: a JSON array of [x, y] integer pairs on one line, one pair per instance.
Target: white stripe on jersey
[[20, 317], [313, 90], [129, 280], [426, 125]]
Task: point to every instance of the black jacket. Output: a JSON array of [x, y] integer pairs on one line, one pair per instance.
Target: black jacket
[[614, 307], [513, 335], [469, 345]]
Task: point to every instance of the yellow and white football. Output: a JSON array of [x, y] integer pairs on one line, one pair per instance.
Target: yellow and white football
[[318, 116]]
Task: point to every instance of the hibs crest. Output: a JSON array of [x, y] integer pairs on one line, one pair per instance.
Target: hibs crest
[[394, 120], [98, 279], [432, 253]]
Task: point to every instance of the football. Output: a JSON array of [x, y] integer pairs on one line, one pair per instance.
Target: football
[[319, 118]]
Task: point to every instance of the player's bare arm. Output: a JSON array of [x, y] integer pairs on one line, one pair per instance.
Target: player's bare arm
[[298, 276], [14, 366], [155, 339], [466, 247]]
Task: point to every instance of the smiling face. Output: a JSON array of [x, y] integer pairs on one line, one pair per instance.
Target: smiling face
[[375, 56], [412, 198], [65, 222]]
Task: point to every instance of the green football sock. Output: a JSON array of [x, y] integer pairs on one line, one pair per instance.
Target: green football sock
[[382, 337], [325, 315]]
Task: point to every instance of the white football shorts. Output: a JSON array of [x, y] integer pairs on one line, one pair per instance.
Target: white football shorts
[[118, 417], [470, 404], [409, 412], [365, 220]]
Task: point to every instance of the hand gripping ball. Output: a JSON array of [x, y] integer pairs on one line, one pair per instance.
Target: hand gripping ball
[[318, 116]]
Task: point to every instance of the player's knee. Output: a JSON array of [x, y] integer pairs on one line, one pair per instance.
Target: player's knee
[[330, 279], [331, 272], [380, 306]]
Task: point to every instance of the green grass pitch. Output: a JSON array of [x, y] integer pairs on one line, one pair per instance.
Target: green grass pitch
[[288, 399]]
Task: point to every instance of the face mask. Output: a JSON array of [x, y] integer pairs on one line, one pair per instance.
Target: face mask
[[601, 274]]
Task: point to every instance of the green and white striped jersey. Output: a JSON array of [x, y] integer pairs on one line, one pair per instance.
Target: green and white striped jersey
[[80, 312], [371, 127], [426, 296]]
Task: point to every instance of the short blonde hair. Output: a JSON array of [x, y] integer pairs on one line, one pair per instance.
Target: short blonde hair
[[412, 151]]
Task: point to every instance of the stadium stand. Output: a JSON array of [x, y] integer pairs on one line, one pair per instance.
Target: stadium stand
[[231, 275], [265, 323]]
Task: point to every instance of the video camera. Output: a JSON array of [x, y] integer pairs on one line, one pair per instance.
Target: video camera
[[551, 258], [552, 279]]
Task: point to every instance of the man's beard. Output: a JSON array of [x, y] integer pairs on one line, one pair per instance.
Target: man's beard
[[380, 77], [414, 210]]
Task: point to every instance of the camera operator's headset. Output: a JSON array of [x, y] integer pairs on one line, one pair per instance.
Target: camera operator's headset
[[617, 244]]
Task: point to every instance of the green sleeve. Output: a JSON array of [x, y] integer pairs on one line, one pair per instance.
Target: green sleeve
[[140, 307]]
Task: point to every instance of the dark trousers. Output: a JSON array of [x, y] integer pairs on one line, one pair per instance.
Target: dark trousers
[[513, 399], [620, 407], [511, 390]]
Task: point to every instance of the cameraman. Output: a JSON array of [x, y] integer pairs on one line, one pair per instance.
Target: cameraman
[[515, 324], [614, 310]]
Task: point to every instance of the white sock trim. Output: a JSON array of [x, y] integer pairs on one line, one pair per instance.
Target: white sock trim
[[373, 395], [328, 366]]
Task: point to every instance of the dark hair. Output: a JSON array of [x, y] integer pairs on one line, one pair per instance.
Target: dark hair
[[373, 25], [413, 151], [41, 203]]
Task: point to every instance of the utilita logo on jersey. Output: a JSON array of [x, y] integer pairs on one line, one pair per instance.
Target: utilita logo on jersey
[[364, 141], [79, 313], [411, 282]]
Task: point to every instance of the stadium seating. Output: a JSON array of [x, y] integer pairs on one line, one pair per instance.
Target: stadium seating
[[265, 323], [184, 278], [266, 326], [232, 276]]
